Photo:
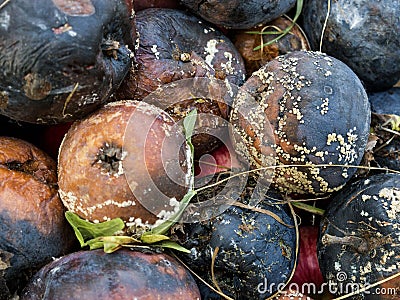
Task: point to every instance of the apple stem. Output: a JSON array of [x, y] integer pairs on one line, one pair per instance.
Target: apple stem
[[359, 244]]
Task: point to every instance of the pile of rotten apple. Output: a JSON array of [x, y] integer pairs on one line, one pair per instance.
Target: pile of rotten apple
[[292, 179]]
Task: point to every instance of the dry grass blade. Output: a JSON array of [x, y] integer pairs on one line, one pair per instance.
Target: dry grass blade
[[296, 226], [4, 4], [386, 143], [309, 208], [324, 26], [390, 130], [263, 211], [297, 166], [214, 280], [213, 165], [69, 98], [302, 200]]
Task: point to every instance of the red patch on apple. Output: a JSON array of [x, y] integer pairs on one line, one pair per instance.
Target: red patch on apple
[[307, 270], [220, 160]]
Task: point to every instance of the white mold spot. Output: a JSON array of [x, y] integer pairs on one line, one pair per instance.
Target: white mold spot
[[210, 50], [155, 51], [4, 20]]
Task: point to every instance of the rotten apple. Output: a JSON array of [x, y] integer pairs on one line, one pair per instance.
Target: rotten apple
[[124, 275], [245, 251], [62, 59], [363, 34], [359, 241], [143, 4], [32, 224], [246, 42], [239, 14], [302, 108], [126, 160], [176, 45]]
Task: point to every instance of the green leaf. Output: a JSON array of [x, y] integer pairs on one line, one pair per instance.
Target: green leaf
[[167, 224], [394, 121], [111, 243], [173, 245], [85, 230], [189, 123], [111, 247], [94, 244], [150, 238]]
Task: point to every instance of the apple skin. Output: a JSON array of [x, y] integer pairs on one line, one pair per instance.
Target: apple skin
[[307, 269], [52, 137], [62, 60], [143, 4], [32, 224], [116, 163], [219, 160], [280, 118], [239, 14], [123, 275], [359, 238]]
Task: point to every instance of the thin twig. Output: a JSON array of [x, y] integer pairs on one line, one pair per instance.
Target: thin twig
[[389, 130], [385, 144]]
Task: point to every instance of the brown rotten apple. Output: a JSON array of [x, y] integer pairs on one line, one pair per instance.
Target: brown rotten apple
[[32, 224], [62, 59], [125, 160]]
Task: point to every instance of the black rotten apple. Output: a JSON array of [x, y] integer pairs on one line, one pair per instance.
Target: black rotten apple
[[239, 14], [363, 34], [246, 251], [302, 108], [359, 242], [62, 59]]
